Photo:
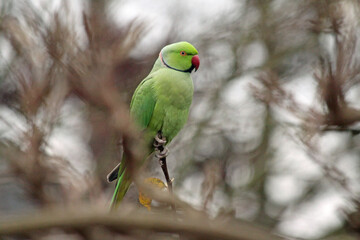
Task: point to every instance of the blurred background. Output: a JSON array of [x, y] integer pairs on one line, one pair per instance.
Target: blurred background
[[272, 137]]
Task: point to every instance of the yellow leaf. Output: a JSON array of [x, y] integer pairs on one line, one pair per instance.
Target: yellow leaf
[[152, 182]]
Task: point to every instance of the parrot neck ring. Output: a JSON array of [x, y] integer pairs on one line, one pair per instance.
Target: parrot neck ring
[[168, 66]]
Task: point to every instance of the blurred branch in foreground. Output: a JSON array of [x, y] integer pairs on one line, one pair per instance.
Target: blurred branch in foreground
[[55, 67], [133, 221]]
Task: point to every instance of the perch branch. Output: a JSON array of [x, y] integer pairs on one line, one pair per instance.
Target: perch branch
[[162, 152]]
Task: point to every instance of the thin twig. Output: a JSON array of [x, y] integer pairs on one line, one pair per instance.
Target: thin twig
[[330, 170]]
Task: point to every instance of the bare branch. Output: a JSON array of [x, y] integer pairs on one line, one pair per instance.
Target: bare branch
[[127, 221]]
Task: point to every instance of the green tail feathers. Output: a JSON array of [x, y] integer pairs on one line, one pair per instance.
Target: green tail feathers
[[122, 186], [123, 183]]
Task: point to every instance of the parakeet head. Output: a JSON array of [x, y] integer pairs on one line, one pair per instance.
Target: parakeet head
[[180, 56]]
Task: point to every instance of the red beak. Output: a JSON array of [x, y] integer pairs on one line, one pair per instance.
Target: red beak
[[195, 62]]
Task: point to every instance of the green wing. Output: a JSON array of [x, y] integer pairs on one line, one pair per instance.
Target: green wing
[[141, 109], [143, 102]]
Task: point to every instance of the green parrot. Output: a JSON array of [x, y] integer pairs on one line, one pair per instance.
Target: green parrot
[[161, 103]]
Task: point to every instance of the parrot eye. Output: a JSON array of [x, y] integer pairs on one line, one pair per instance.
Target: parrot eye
[[182, 53]]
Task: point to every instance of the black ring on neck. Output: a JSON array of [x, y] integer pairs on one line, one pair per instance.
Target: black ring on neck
[[188, 70]]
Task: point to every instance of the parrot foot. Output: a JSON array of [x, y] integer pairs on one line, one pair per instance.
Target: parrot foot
[[162, 153], [159, 140]]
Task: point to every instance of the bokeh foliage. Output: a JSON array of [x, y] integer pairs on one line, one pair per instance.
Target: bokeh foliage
[[271, 137]]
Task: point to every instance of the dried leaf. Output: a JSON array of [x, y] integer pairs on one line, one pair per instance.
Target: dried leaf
[[152, 182]]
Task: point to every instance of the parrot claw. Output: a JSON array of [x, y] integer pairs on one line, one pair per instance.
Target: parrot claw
[[162, 154], [159, 140]]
